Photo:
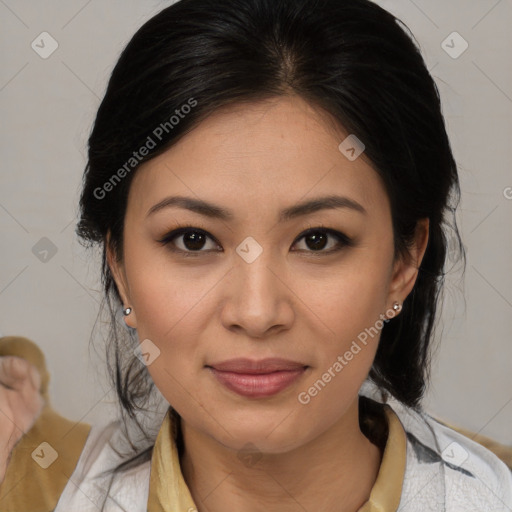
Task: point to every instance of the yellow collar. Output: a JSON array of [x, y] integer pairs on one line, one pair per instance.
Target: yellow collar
[[169, 491]]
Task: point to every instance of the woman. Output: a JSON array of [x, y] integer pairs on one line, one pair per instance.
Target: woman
[[269, 182]]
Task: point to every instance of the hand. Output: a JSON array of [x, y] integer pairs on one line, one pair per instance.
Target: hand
[[20, 404]]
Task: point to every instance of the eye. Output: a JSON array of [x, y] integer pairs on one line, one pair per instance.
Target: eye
[[190, 241], [316, 239]]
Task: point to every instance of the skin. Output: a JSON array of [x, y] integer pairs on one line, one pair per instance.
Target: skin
[[20, 404], [293, 301]]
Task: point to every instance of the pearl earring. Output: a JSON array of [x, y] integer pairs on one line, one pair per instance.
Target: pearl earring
[[127, 311], [397, 307]]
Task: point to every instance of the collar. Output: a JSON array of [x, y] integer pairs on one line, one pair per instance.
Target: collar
[[169, 491]]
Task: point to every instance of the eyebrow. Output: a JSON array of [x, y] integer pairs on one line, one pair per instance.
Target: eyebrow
[[217, 212]]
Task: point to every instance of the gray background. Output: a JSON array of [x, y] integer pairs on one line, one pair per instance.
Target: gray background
[[47, 107]]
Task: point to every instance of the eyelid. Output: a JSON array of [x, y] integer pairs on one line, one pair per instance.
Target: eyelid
[[176, 232], [343, 239]]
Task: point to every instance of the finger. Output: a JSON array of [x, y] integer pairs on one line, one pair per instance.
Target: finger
[[14, 371], [5, 385], [35, 377], [12, 367], [20, 408], [6, 377]]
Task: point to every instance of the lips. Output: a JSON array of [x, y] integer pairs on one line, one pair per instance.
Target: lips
[[255, 379]]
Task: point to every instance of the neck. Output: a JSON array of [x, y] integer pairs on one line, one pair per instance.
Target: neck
[[334, 472]]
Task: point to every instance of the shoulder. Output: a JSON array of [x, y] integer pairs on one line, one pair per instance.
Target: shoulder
[[90, 489], [450, 470], [473, 474]]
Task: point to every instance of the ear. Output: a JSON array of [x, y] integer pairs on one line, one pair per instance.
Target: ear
[[119, 275], [405, 270]]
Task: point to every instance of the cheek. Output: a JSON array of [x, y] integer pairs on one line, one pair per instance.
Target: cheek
[[349, 307], [179, 362], [164, 294], [342, 363], [348, 299], [166, 303]]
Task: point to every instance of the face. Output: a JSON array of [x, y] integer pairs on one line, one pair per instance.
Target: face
[[255, 284]]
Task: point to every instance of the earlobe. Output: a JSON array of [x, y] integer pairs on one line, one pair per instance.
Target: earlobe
[[129, 317], [118, 274], [130, 321]]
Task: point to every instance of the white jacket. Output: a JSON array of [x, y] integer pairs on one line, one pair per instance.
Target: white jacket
[[444, 472]]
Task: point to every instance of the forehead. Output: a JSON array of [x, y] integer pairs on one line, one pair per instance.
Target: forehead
[[275, 152]]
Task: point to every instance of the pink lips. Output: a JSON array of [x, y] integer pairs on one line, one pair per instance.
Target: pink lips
[[256, 379]]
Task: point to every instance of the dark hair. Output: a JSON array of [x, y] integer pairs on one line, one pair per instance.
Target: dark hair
[[349, 58]]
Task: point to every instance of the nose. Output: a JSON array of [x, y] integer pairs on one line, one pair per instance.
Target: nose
[[259, 300]]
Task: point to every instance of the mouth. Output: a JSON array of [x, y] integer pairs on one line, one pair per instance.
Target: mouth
[[257, 378]]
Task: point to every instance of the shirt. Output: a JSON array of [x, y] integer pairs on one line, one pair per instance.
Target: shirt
[[168, 490], [426, 466]]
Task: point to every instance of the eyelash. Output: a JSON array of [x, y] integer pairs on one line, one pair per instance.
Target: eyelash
[[343, 240]]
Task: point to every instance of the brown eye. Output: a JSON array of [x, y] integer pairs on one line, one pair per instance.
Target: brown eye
[[317, 239], [192, 241], [188, 240]]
